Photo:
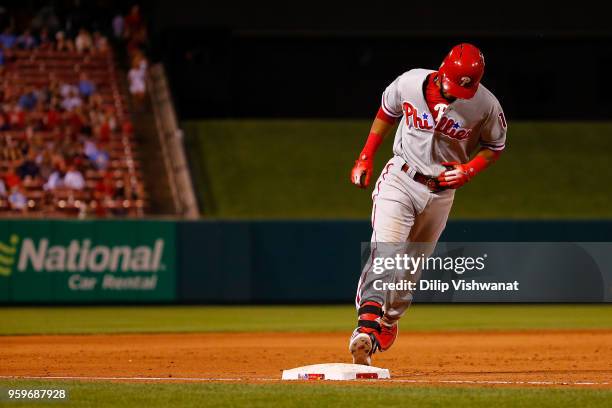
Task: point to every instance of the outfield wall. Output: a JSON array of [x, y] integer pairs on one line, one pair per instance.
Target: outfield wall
[[282, 261]]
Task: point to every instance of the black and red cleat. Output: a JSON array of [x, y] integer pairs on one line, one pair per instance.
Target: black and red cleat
[[365, 339], [361, 347]]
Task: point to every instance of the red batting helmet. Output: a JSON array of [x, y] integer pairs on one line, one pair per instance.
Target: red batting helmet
[[461, 71]]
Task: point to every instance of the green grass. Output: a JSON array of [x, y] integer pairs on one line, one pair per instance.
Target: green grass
[[106, 394], [31, 320], [147, 319], [299, 169]]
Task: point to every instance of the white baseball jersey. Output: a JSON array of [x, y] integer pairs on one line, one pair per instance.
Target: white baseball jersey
[[425, 139]]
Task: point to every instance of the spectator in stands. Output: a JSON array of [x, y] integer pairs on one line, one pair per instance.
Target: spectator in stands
[[105, 187], [26, 41], [29, 170], [97, 155], [65, 89], [137, 80], [133, 21], [7, 38], [96, 102], [17, 118], [2, 189], [17, 199], [75, 119], [11, 179], [52, 118], [4, 124], [56, 179], [86, 125], [73, 152], [27, 101], [107, 126], [74, 180], [135, 30], [62, 43], [118, 26], [45, 163], [44, 41], [86, 86], [140, 60], [100, 43], [102, 159], [83, 42], [10, 149], [72, 100]]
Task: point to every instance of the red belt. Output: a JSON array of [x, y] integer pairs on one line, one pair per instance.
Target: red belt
[[431, 183]]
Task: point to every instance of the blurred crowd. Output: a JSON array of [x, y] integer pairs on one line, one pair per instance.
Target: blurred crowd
[[83, 42], [46, 33], [54, 134]]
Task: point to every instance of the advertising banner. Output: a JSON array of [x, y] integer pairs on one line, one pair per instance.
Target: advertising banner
[[87, 261]]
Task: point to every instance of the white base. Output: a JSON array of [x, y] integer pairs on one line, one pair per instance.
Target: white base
[[336, 371]]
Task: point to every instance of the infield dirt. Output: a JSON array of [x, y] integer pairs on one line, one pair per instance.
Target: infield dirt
[[551, 357]]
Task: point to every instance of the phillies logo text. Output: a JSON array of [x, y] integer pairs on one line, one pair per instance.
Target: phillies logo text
[[446, 125]]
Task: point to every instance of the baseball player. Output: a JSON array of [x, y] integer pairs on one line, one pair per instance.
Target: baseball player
[[451, 128]]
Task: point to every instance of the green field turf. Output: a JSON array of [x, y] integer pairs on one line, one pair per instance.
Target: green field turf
[[300, 168], [150, 319], [106, 394], [64, 320]]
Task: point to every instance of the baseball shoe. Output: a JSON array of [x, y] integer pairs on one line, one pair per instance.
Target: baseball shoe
[[362, 347], [364, 341], [373, 333], [387, 335]]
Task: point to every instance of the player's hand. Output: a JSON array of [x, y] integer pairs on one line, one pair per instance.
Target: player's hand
[[455, 176], [362, 171]]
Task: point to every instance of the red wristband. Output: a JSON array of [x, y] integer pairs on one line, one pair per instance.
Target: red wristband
[[372, 144], [479, 163]]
